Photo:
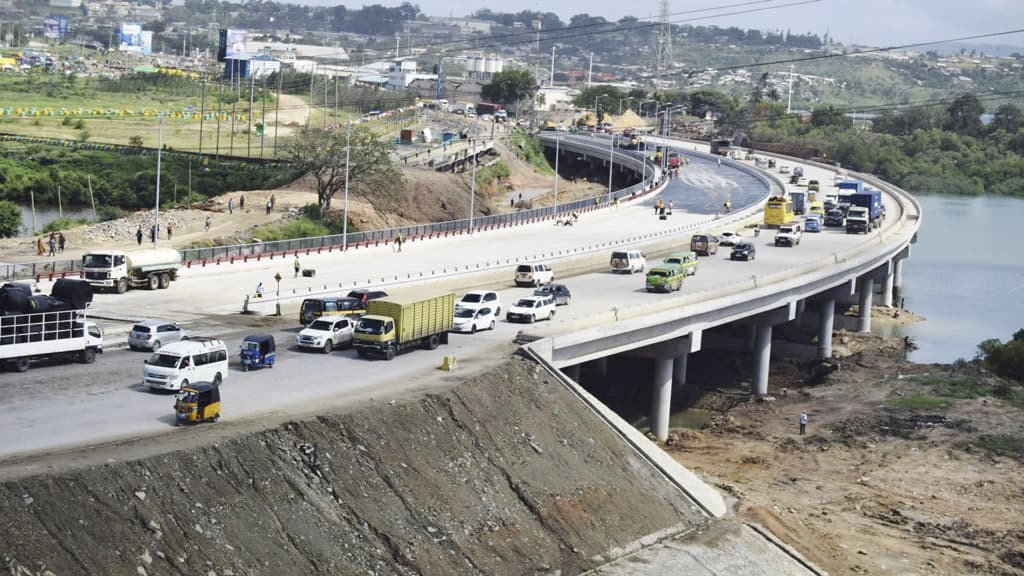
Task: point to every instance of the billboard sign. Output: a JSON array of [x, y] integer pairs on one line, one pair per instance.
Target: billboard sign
[[147, 42], [235, 45], [131, 38], [55, 27]]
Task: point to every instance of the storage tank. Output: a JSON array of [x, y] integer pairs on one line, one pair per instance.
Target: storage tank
[[493, 64]]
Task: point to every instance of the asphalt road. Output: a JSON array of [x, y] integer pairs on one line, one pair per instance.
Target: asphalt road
[[72, 404]]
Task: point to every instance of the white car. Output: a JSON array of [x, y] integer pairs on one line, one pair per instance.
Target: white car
[[476, 299], [534, 274], [326, 333], [532, 308], [729, 238], [473, 319], [784, 169]]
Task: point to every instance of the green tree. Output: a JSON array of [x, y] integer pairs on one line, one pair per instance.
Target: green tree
[[320, 153], [1004, 359], [10, 219], [964, 115], [510, 88], [605, 98], [830, 116]]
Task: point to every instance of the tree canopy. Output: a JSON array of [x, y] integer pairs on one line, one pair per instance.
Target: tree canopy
[[1005, 359], [321, 154], [10, 219], [510, 88]]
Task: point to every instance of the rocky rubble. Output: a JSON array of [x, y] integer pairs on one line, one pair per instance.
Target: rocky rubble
[[506, 473], [125, 228]]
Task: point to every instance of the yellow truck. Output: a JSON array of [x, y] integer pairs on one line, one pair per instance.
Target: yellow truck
[[394, 324]]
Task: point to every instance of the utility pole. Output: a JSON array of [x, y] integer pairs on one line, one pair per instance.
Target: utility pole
[[590, 74], [552, 81], [789, 100]]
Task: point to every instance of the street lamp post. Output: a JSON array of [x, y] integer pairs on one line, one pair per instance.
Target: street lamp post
[[621, 100], [344, 223], [472, 186], [611, 156], [558, 140]]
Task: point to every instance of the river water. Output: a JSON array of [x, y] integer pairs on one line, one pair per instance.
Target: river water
[[964, 276], [46, 214]]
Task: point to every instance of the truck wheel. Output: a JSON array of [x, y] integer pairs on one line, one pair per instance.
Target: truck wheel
[[245, 367], [88, 356], [390, 354], [361, 353], [153, 281], [156, 346], [217, 379], [165, 280], [328, 346], [122, 286], [433, 342], [21, 364]]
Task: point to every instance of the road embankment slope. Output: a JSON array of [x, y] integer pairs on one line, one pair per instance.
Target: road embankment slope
[[504, 473]]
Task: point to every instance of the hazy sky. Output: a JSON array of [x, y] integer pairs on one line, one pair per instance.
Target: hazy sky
[[871, 22]]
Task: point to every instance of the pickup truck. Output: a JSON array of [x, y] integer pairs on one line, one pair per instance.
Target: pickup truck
[[789, 234], [326, 333]]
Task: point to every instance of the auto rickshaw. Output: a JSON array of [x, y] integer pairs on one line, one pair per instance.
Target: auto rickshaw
[[257, 351], [198, 402]]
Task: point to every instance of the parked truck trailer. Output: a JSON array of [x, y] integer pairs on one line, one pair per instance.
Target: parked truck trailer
[[394, 324], [118, 270]]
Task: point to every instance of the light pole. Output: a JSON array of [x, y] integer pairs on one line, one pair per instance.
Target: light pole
[[472, 186], [640, 108], [558, 140], [344, 223], [159, 149], [621, 100], [611, 156]]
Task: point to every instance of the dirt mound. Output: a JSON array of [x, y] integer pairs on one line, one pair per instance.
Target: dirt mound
[[504, 474]]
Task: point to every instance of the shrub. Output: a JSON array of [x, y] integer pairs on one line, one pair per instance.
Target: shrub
[[58, 224]]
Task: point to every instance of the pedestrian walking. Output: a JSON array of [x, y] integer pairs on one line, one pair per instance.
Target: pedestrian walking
[[231, 205], [152, 234], [138, 235], [53, 244], [61, 241], [297, 266], [803, 423], [170, 229], [270, 206], [39, 247], [399, 241], [207, 225], [241, 202], [259, 290]]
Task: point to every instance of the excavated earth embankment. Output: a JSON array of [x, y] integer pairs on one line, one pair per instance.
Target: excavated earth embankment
[[504, 473]]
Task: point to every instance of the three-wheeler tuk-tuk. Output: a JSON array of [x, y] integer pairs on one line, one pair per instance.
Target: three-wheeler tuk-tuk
[[258, 351], [199, 402]]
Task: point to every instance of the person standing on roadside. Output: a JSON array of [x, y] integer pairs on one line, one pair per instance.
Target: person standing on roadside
[[61, 241], [241, 202], [170, 229], [270, 206], [138, 235], [39, 247], [53, 244], [399, 241], [803, 423], [207, 225], [297, 266], [231, 205]]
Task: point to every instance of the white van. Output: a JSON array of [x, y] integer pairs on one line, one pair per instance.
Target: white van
[[188, 361], [628, 261]]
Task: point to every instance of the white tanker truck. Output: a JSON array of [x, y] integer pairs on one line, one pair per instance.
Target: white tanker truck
[[119, 270]]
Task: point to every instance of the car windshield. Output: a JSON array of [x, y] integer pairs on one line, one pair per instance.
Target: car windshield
[[96, 261], [164, 360], [322, 325], [472, 298], [370, 326], [744, 246], [659, 273], [463, 312], [140, 328], [526, 303]]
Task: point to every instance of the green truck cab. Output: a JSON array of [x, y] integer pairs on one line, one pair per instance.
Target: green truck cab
[[665, 278], [687, 259], [394, 324]]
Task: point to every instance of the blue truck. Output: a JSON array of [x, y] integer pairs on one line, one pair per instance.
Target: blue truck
[[846, 189], [866, 212]]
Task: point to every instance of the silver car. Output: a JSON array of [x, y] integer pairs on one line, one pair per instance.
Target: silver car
[[152, 334]]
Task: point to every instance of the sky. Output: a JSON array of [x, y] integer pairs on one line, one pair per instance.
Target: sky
[[866, 22]]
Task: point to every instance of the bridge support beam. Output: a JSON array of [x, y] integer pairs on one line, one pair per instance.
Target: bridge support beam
[[661, 397], [825, 324], [887, 288], [679, 370], [897, 275], [762, 358], [865, 291], [572, 372]]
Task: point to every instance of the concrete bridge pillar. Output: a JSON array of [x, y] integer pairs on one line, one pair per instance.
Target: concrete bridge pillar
[[865, 290], [572, 372], [897, 281], [661, 397], [762, 358], [679, 370], [887, 289], [825, 323]]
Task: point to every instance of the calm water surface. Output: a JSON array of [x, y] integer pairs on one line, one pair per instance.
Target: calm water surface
[[965, 275]]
